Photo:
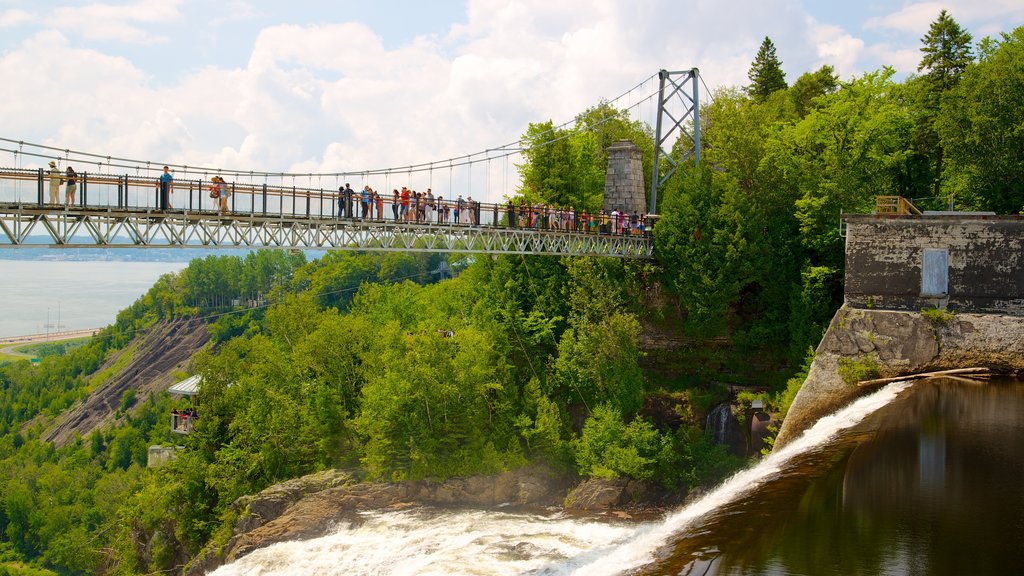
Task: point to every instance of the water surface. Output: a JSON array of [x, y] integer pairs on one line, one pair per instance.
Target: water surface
[[931, 484], [71, 295]]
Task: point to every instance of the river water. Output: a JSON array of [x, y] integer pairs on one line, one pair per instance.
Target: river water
[[52, 296], [914, 479]]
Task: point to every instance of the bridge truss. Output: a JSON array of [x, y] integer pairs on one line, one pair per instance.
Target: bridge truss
[[23, 225]]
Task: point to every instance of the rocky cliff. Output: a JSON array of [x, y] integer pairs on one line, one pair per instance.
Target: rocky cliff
[[901, 343], [147, 366]]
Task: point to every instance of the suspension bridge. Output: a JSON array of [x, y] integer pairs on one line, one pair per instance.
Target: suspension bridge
[[120, 204]]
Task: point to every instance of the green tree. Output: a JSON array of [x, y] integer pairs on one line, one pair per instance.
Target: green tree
[[810, 86], [567, 167], [980, 127], [611, 448], [947, 53], [765, 74]]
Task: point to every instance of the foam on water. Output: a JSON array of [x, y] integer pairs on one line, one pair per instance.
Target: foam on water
[[428, 542]]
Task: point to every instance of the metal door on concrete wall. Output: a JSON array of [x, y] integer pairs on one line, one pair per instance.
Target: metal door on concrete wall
[[935, 272]]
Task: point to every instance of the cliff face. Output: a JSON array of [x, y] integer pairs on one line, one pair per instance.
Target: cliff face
[[155, 356], [902, 343]]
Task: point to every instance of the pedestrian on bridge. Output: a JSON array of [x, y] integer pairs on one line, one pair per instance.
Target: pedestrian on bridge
[[364, 201], [69, 193], [349, 198], [225, 193], [54, 184], [163, 184]]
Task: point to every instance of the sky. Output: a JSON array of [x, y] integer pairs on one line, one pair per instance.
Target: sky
[[316, 87]]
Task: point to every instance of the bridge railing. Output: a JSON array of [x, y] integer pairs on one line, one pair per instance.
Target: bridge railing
[[31, 188]]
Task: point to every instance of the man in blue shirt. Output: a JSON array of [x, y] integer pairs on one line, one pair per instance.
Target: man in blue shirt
[[164, 185]]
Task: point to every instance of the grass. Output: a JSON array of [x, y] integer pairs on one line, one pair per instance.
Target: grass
[[42, 349], [125, 356], [937, 316]]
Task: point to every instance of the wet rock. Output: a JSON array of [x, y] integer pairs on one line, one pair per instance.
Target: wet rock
[[597, 494], [313, 505]]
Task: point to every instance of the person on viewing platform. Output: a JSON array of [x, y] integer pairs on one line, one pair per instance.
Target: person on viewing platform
[[380, 205], [457, 211], [69, 192], [395, 200], [54, 174], [163, 185], [442, 210], [404, 212], [430, 206], [341, 201], [470, 206]]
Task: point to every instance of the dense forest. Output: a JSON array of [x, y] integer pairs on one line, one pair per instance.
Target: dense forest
[[380, 363]]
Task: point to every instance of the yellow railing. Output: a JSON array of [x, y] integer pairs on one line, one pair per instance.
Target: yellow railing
[[894, 205]]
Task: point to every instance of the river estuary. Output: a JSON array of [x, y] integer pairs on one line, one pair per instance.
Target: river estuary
[[913, 479]]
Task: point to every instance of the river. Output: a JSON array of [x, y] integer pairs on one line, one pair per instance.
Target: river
[[52, 296], [913, 479]]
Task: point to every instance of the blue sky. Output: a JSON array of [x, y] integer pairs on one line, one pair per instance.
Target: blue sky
[[313, 87]]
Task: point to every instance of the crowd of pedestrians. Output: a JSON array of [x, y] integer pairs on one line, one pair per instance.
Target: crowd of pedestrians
[[405, 205], [409, 206]]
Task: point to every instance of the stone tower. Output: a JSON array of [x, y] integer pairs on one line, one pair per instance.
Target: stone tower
[[624, 181]]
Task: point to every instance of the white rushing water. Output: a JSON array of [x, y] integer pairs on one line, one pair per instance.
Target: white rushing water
[[431, 542]]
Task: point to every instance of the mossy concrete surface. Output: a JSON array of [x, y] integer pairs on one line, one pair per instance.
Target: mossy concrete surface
[[902, 343]]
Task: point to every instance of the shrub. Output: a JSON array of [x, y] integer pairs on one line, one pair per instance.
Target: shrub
[[860, 369], [610, 448], [937, 316]]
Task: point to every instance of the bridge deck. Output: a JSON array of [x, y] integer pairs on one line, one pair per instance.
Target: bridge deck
[[119, 211]]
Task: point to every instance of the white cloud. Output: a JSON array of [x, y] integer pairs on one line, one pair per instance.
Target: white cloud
[[341, 96], [911, 19], [14, 17], [836, 47], [915, 18], [117, 21]]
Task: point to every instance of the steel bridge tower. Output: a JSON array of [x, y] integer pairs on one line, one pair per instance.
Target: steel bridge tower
[[682, 87]]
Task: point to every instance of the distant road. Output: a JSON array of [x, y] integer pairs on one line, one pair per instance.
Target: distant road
[[9, 343]]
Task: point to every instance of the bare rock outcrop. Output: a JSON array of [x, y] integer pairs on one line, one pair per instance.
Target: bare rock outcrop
[[902, 343], [154, 357]]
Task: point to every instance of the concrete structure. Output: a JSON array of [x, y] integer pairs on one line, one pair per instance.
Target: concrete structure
[[624, 179], [966, 263], [161, 455], [896, 266]]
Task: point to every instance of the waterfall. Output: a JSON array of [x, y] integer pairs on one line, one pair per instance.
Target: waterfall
[[428, 541], [717, 426]]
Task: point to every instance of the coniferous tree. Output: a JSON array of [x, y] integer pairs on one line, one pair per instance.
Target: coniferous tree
[[766, 75], [947, 52]]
